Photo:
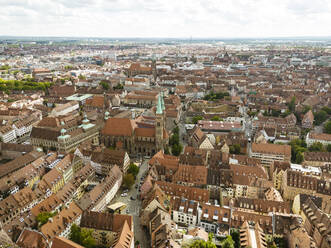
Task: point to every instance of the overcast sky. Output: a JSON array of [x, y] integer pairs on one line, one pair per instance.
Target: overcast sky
[[166, 18]]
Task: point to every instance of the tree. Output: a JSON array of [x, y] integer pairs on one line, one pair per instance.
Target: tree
[[235, 237], [297, 146], [133, 169], [166, 150], [235, 149], [291, 105], [320, 117], [299, 158], [43, 217], [82, 236], [202, 244], [216, 118], [176, 149], [306, 109], [328, 147], [316, 147], [104, 85], [128, 181], [327, 110], [75, 234], [327, 127], [228, 242], [197, 118]]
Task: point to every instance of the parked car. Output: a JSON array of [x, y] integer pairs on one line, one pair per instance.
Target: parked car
[[132, 198], [124, 194]]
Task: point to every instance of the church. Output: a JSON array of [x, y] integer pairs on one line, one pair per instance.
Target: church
[[145, 135]]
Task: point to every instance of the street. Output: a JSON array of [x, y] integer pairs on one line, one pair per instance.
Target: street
[[133, 207]]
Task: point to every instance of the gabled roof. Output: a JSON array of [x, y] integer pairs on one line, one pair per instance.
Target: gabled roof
[[119, 127]]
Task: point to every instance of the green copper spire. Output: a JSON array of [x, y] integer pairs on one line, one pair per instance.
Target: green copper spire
[[159, 106], [162, 101]]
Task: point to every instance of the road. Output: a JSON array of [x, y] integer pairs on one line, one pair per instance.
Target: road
[[133, 208]]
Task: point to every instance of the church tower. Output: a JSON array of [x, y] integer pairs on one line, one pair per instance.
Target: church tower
[[159, 124]]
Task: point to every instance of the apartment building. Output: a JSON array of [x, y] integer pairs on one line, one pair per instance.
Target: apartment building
[[184, 211], [268, 153]]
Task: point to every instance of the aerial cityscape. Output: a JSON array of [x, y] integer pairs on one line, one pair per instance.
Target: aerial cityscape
[[179, 136]]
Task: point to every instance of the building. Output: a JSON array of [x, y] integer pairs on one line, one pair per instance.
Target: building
[[318, 159], [110, 230], [317, 224], [106, 158], [60, 224], [308, 120], [296, 182], [60, 242], [252, 236], [184, 211], [135, 137], [65, 109], [64, 136], [215, 219], [220, 126], [7, 134], [323, 138], [268, 153]]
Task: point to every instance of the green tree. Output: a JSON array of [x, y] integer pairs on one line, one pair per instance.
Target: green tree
[[306, 108], [327, 110], [235, 237], [82, 236], [118, 87], [195, 119], [228, 242], [235, 149], [133, 169], [104, 85], [291, 105], [327, 127], [216, 118], [43, 217], [128, 181], [75, 234], [202, 244], [316, 147], [166, 150], [299, 158], [297, 146], [176, 149], [320, 117]]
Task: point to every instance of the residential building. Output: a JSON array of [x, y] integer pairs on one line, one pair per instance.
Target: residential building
[[308, 120], [252, 236], [184, 211], [323, 138], [268, 153], [110, 230]]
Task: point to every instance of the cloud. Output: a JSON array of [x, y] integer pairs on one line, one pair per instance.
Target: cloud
[[171, 18]]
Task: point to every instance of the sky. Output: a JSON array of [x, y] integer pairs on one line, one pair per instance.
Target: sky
[[166, 18]]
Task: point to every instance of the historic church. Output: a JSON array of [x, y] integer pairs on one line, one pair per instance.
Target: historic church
[[145, 135]]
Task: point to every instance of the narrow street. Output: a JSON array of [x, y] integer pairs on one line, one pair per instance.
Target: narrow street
[[133, 207]]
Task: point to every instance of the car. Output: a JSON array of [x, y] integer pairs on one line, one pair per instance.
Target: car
[[136, 186], [127, 211], [125, 191], [124, 194], [132, 198]]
